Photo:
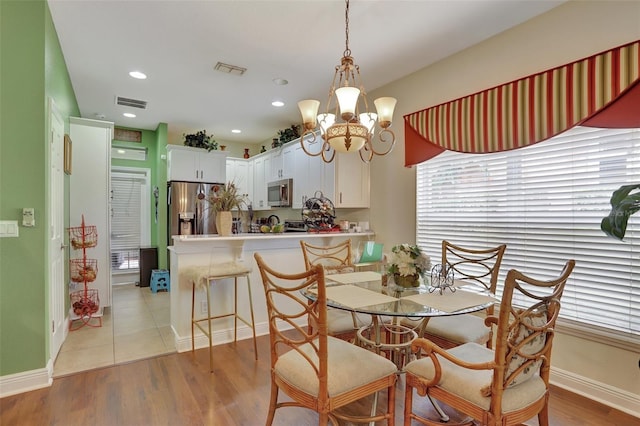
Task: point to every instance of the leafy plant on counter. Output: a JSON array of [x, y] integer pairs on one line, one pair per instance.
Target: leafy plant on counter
[[624, 203], [201, 140], [226, 198]]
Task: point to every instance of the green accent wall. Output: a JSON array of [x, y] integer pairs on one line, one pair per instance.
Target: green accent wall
[[155, 142], [32, 68]]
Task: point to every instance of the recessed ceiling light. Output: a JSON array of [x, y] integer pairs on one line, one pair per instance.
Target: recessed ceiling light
[[137, 74], [280, 81], [236, 131], [277, 103], [129, 115]]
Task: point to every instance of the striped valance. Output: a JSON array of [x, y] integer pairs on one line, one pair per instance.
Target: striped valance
[[530, 109]]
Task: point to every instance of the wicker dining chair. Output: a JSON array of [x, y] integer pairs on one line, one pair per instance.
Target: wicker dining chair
[[315, 370], [472, 266], [336, 259], [505, 386]]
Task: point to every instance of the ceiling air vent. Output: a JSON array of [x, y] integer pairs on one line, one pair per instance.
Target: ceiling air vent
[[229, 69], [135, 103]]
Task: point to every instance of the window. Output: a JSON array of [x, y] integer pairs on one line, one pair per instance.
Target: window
[[129, 209], [545, 202]]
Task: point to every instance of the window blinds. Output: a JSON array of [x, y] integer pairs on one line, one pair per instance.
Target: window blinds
[[545, 202], [126, 190]]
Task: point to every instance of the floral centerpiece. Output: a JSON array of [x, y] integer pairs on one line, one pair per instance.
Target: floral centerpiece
[[222, 201], [407, 264]]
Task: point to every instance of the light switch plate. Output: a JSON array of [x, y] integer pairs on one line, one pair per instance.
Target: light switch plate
[[8, 228], [28, 217]]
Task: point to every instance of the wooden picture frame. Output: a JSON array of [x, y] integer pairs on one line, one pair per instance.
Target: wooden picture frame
[[67, 154]]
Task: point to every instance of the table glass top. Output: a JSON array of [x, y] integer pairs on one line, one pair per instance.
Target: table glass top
[[363, 292]]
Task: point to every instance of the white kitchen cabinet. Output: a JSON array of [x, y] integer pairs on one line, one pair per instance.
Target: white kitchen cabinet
[[282, 163], [189, 164], [89, 193], [310, 175], [261, 171], [238, 173], [351, 182]]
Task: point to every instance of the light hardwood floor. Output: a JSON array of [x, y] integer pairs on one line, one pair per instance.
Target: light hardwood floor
[[177, 390], [136, 327]]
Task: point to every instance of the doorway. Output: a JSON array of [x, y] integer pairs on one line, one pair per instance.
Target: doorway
[[137, 324]]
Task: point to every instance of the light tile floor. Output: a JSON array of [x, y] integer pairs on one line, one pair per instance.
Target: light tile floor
[[137, 326]]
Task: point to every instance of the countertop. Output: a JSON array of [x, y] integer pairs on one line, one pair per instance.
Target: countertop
[[268, 235]]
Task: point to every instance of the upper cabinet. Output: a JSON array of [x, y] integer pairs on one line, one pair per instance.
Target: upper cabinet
[[351, 181], [261, 171], [240, 174], [310, 175], [282, 163], [195, 164], [345, 180]]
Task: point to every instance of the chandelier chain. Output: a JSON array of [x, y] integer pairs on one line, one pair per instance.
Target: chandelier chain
[[347, 51]]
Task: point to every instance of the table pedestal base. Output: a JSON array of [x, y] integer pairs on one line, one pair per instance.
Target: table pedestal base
[[391, 340]]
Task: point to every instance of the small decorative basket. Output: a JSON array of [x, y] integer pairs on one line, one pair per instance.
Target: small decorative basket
[[319, 213], [441, 279], [83, 270], [83, 237], [85, 302]]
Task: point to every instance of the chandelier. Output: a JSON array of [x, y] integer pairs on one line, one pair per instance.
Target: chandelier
[[356, 129]]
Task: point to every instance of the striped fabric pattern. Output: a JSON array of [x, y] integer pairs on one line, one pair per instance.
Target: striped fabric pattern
[[530, 109]]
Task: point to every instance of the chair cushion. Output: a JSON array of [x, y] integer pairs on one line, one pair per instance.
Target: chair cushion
[[345, 370], [201, 275], [468, 383], [339, 321], [457, 328]]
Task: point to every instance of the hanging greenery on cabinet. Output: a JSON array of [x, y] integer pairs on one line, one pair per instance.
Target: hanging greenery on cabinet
[[201, 140]]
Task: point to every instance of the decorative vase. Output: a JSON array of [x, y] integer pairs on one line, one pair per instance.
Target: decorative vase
[[224, 222], [263, 149], [246, 153], [406, 281]]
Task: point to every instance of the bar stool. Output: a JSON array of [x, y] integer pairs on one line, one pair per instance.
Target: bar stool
[[204, 276]]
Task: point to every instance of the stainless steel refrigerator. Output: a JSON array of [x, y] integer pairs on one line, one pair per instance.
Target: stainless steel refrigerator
[[189, 212]]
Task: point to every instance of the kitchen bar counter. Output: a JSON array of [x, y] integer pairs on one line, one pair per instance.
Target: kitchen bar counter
[[280, 251]]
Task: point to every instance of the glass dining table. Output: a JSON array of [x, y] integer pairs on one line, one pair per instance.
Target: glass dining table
[[386, 334]]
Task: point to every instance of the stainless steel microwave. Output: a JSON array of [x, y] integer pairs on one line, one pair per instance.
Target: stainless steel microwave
[[280, 193]]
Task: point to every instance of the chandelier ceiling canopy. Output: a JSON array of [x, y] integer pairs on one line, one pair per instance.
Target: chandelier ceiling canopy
[[347, 125]]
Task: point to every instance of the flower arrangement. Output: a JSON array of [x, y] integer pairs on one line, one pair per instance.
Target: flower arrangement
[[408, 260], [226, 198]]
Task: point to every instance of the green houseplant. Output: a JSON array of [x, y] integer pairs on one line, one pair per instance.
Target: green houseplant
[[625, 201], [200, 139]]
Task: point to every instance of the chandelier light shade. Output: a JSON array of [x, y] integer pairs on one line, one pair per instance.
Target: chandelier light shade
[[347, 125]]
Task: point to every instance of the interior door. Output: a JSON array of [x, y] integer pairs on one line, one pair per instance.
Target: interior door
[[56, 230]]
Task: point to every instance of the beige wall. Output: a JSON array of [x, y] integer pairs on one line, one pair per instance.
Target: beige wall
[[572, 31]]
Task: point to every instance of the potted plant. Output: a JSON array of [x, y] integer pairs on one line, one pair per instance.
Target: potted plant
[[200, 140], [625, 201], [288, 134], [222, 201], [407, 264]]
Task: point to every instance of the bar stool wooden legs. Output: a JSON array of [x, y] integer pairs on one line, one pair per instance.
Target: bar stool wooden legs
[[213, 274]]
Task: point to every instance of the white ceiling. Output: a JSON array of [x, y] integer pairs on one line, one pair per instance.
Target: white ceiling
[[177, 43]]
